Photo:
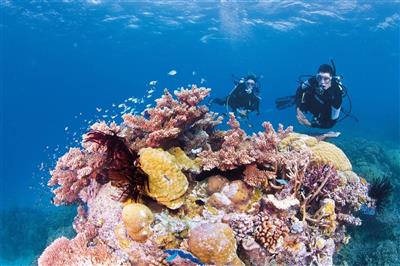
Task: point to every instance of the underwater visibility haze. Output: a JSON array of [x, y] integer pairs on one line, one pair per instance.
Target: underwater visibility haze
[[78, 112]]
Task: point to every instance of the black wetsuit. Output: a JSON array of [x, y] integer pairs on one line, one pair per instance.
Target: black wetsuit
[[240, 99], [323, 107]]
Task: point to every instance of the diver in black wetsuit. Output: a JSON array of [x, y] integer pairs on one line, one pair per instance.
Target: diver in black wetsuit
[[244, 98], [321, 97]]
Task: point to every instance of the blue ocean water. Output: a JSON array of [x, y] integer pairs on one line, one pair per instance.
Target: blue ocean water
[[65, 64]]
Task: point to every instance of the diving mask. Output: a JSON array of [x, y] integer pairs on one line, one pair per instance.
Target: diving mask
[[250, 84], [323, 78]]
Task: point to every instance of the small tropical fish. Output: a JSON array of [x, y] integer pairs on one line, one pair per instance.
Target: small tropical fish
[[153, 83], [172, 72], [282, 181], [202, 80], [196, 151]]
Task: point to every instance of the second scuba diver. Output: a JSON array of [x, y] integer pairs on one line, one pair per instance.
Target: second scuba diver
[[244, 97]]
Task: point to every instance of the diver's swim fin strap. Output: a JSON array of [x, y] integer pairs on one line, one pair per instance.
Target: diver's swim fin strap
[[285, 102]]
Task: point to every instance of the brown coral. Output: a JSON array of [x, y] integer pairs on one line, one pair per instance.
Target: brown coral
[[270, 231], [137, 218], [260, 178], [233, 196], [238, 149], [214, 244], [215, 183]]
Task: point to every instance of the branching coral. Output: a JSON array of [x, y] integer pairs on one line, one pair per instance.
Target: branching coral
[[238, 149], [71, 175], [234, 151], [170, 117]]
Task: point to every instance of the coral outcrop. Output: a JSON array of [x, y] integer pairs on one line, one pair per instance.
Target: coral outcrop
[[169, 188]]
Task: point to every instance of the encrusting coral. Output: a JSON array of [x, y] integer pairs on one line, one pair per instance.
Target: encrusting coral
[[169, 188]]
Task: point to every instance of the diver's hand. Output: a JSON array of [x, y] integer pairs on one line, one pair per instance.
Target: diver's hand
[[302, 118]]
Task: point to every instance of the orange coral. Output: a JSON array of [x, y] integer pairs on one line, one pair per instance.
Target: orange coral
[[215, 183]]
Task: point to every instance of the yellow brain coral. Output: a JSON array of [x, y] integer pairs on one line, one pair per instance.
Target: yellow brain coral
[[321, 151], [167, 183], [214, 244], [137, 219]]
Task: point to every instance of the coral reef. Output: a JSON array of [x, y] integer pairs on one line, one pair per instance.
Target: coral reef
[[169, 188], [377, 240]]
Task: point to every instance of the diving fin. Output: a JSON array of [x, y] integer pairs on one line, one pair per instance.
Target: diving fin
[[285, 102]]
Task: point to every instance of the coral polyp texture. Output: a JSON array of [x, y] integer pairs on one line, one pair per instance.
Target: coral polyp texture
[[170, 188]]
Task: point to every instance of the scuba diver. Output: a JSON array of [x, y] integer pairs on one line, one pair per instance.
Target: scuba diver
[[321, 95], [244, 97]]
